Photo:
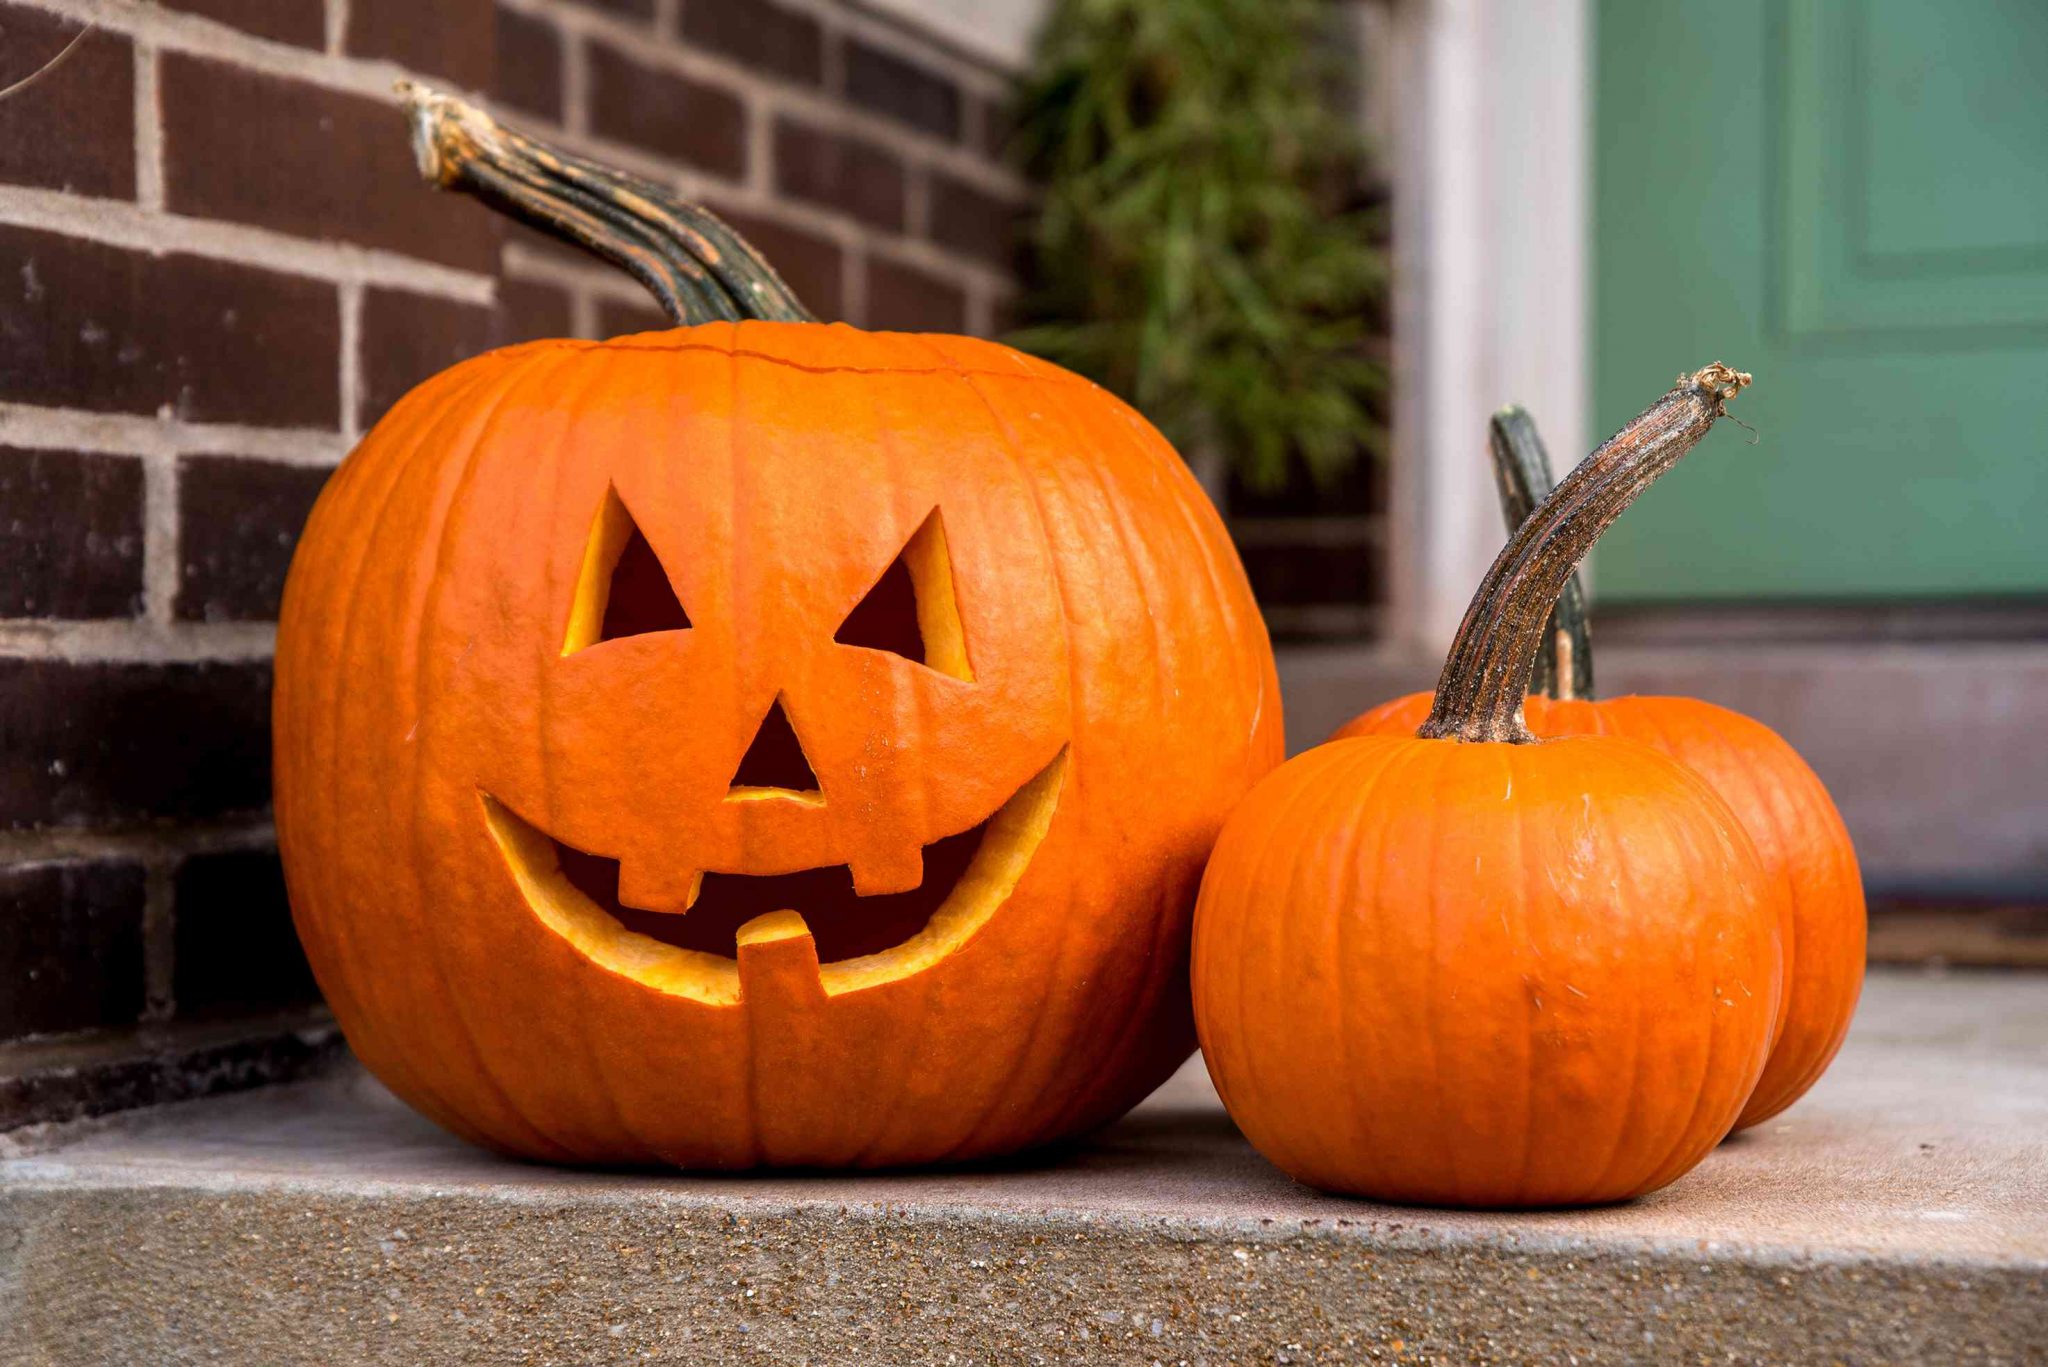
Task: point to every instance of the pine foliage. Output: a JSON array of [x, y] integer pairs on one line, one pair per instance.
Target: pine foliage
[[1196, 252]]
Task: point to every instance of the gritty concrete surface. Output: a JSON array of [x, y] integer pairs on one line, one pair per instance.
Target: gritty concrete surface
[[1899, 1214]]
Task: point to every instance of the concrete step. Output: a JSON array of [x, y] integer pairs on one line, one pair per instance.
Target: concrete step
[[1899, 1214]]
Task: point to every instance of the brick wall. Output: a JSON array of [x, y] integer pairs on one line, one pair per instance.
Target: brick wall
[[217, 268]]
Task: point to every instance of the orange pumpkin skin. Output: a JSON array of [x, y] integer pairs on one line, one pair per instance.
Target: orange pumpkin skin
[[434, 732], [1484, 974], [1795, 826]]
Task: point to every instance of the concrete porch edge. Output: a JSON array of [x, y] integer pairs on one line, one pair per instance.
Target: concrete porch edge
[[1900, 1213]]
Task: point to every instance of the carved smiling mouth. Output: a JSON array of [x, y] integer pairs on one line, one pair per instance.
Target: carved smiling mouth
[[856, 941]]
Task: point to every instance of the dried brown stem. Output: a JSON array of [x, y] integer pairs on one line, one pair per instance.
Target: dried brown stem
[[1521, 471], [698, 269], [1479, 696]]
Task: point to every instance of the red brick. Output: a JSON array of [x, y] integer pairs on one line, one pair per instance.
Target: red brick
[[546, 244], [839, 172], [624, 9], [529, 71], [89, 743], [902, 298], [528, 309], [998, 126], [768, 39], [70, 534], [902, 90], [302, 23], [453, 39], [234, 949], [85, 325], [616, 318], [408, 337], [71, 956], [74, 129], [1360, 489], [809, 264], [1005, 316], [970, 220], [1306, 572], [259, 149], [667, 114], [238, 521]]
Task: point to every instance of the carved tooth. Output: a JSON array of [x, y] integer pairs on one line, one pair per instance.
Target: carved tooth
[[896, 870], [661, 891], [778, 962]]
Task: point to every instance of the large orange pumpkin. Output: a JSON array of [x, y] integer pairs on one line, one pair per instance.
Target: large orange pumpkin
[[760, 742], [1467, 966], [1782, 802]]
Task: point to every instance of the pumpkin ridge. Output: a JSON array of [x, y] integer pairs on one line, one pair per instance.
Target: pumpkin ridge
[[1682, 1134], [343, 491], [1340, 769], [1189, 510], [1627, 872], [549, 474], [422, 451], [885, 1116], [1429, 801], [1356, 776], [1133, 563], [1393, 770], [1617, 1151], [423, 613], [1520, 884], [427, 425], [552, 466], [1718, 1042], [1027, 481]]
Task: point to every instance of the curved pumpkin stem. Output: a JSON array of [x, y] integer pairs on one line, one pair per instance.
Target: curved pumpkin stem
[[698, 269], [1479, 696], [1521, 471]]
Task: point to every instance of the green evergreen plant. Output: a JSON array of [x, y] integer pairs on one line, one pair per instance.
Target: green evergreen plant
[[1199, 249]]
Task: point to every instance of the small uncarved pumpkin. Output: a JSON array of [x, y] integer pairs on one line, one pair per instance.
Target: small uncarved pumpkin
[[759, 742], [1784, 806], [1465, 966]]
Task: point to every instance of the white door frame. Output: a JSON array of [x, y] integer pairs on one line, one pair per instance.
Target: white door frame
[[1490, 140]]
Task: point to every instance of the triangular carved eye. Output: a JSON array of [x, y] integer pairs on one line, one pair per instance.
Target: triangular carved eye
[[911, 611], [622, 589]]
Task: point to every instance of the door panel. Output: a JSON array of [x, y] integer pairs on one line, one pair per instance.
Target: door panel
[[1849, 198]]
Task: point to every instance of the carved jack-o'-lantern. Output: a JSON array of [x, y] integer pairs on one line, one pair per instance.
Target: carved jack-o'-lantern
[[757, 743]]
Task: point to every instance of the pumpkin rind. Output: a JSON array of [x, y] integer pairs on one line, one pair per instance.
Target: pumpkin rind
[[775, 468], [1785, 807], [1470, 966], [1492, 990], [1797, 831]]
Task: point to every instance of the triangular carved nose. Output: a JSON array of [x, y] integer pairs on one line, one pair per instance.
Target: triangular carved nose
[[775, 759]]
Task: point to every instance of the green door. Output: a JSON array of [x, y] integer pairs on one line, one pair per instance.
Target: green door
[[1849, 198]]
